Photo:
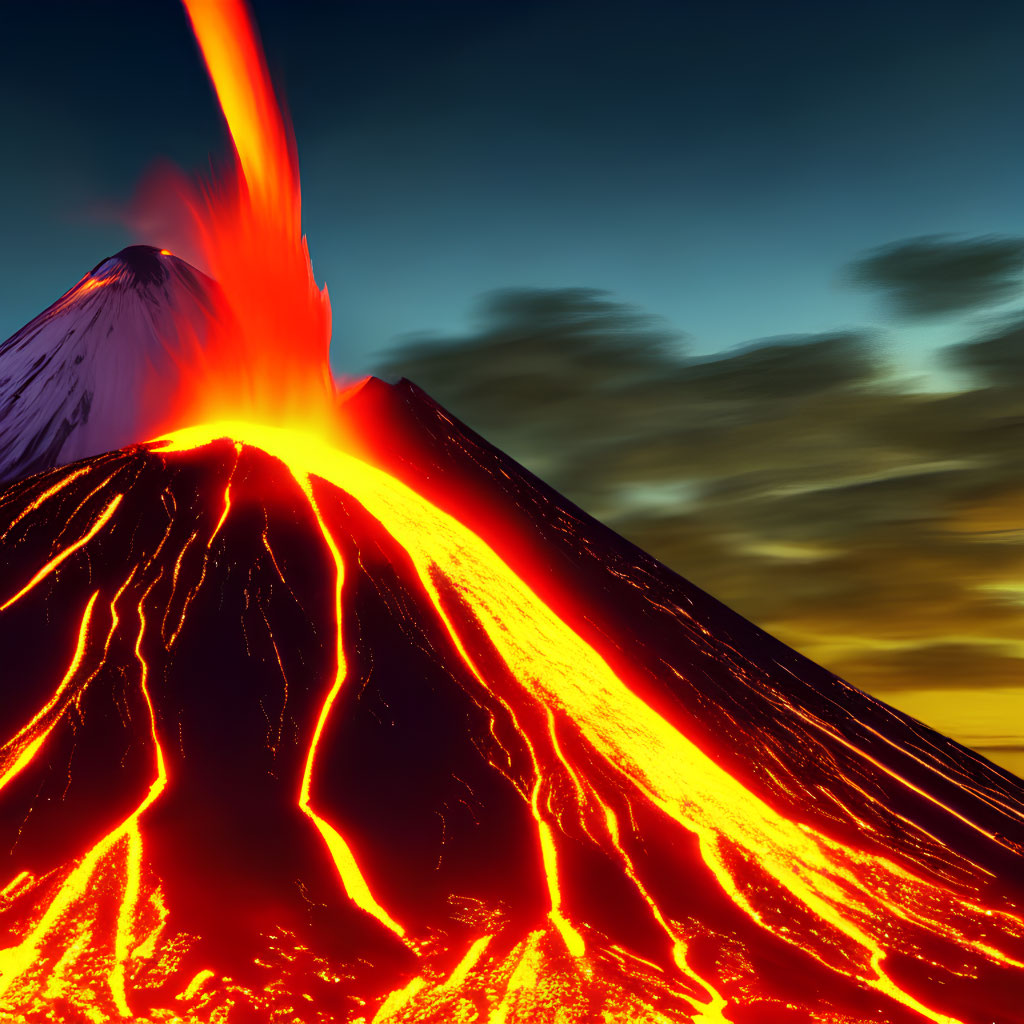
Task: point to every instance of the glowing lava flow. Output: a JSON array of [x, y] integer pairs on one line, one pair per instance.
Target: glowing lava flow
[[70, 913], [695, 862], [351, 877], [654, 761], [19, 750]]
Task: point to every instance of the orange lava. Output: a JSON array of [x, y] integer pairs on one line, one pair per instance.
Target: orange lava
[[267, 356], [851, 893], [594, 759]]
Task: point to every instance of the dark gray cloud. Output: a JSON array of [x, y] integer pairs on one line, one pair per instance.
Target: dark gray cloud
[[997, 358], [935, 275], [876, 529]]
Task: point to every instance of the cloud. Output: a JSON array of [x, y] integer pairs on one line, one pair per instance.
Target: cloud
[[934, 275], [996, 358], [875, 529]]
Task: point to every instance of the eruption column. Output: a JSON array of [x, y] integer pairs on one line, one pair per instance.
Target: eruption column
[[266, 354]]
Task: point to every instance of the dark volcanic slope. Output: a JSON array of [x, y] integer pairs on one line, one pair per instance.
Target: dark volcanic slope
[[97, 370], [643, 809]]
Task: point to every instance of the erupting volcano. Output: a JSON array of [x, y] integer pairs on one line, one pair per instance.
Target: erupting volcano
[[316, 707]]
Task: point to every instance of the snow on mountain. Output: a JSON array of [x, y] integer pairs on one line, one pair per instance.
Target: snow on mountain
[[98, 370]]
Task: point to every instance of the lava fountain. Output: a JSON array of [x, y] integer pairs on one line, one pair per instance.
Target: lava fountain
[[390, 731], [268, 357]]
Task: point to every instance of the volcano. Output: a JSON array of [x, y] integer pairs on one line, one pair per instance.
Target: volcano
[[98, 369], [318, 708], [389, 730]]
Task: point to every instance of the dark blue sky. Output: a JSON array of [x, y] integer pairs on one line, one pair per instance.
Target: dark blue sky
[[717, 164]]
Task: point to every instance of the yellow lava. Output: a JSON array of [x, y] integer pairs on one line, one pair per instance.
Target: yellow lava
[[246, 96], [569, 699], [654, 761]]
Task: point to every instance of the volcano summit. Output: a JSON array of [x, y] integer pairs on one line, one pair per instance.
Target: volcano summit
[[99, 368], [393, 732]]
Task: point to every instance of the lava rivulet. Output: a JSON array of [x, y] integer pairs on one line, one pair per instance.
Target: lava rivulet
[[588, 855]]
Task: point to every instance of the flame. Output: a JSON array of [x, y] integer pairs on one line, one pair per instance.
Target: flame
[[267, 353]]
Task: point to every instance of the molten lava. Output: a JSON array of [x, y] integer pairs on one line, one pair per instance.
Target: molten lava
[[319, 750], [391, 732]]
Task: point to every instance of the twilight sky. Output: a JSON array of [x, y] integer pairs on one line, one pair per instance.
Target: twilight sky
[[568, 221], [714, 164]]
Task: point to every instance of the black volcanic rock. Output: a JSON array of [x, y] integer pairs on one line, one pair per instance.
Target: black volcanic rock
[[472, 741], [137, 264], [99, 368]]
